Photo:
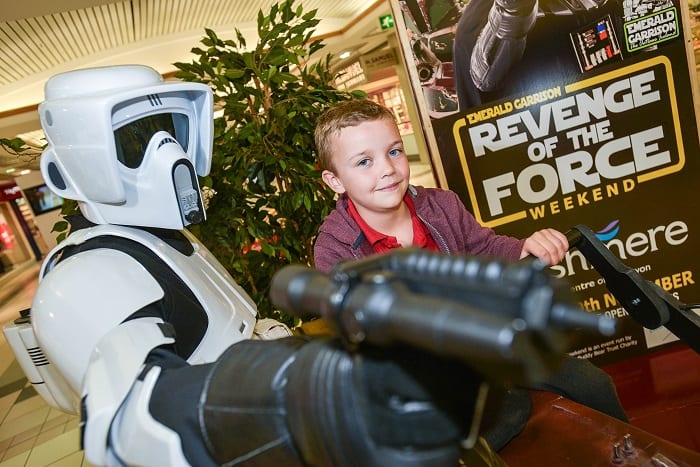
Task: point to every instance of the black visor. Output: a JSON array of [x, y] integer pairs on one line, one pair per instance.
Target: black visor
[[132, 139]]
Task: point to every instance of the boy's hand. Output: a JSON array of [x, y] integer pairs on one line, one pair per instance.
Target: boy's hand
[[549, 245]]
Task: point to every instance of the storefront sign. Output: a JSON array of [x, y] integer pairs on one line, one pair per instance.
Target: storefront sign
[[9, 192], [378, 60], [351, 76]]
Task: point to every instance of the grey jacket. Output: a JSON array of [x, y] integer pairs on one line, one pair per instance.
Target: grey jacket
[[453, 228]]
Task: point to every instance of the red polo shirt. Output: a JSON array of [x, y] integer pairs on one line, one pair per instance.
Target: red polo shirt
[[381, 242]]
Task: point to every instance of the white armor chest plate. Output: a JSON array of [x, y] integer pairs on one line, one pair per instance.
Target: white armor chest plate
[[84, 297]]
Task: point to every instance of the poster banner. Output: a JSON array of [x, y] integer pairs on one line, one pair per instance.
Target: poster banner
[[555, 114]]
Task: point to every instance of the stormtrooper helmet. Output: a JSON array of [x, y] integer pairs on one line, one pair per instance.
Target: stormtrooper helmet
[[127, 145]]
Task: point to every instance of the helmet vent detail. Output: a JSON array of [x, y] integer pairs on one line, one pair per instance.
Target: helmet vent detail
[[154, 99], [166, 141]]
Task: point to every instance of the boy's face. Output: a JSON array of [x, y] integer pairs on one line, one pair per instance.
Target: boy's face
[[370, 166]]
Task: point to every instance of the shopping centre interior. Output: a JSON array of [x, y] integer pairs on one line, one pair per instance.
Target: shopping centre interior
[[660, 390]]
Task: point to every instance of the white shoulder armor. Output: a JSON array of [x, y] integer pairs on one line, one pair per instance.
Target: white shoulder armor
[[81, 301], [230, 310], [83, 297]]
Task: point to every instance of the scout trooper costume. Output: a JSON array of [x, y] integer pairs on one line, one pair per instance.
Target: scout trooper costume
[[140, 330], [128, 147]]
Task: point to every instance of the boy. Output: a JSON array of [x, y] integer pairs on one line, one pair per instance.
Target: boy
[[362, 158]]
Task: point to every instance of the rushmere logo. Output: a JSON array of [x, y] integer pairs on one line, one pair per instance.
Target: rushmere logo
[[609, 232], [639, 243]]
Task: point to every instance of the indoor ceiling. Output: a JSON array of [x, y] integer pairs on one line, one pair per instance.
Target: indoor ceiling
[[41, 38]]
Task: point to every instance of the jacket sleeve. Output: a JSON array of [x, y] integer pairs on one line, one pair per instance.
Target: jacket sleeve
[[328, 251], [484, 241], [476, 239]]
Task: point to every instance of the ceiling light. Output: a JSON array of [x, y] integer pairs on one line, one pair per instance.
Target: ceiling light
[[10, 170], [25, 172], [344, 55]]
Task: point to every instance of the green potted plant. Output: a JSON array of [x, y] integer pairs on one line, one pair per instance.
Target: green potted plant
[[267, 199]]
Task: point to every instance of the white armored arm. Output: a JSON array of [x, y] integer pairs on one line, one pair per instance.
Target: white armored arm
[[112, 372]]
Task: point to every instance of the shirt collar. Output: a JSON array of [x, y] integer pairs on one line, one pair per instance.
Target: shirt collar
[[374, 237], [381, 242]]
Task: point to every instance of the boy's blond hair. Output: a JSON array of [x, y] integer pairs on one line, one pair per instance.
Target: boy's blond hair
[[342, 115]]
